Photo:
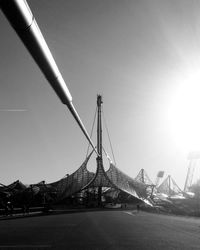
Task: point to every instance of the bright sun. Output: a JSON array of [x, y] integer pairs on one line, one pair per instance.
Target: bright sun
[[184, 115]]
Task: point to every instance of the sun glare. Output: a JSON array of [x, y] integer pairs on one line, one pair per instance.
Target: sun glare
[[184, 115]]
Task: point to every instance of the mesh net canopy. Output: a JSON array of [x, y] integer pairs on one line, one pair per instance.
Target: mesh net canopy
[[112, 178], [169, 187], [143, 177]]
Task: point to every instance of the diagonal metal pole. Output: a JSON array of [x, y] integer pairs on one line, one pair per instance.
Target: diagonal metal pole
[[22, 20]]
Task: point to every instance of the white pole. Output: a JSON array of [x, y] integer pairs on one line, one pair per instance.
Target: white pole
[[22, 20]]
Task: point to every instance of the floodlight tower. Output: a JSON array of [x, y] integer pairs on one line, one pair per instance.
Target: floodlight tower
[[159, 176], [193, 158]]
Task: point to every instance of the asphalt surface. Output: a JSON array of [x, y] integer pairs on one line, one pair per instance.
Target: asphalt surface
[[101, 230]]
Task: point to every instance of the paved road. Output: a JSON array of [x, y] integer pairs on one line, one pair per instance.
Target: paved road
[[101, 230]]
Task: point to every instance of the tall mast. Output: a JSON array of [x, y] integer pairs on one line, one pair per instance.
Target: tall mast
[[99, 126], [99, 145]]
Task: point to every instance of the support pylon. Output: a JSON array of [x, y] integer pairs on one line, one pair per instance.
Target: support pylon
[[99, 143]]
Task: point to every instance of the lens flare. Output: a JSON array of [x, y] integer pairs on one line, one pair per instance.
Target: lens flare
[[184, 115]]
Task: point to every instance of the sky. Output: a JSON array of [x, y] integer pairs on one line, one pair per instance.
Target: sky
[[142, 56]]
